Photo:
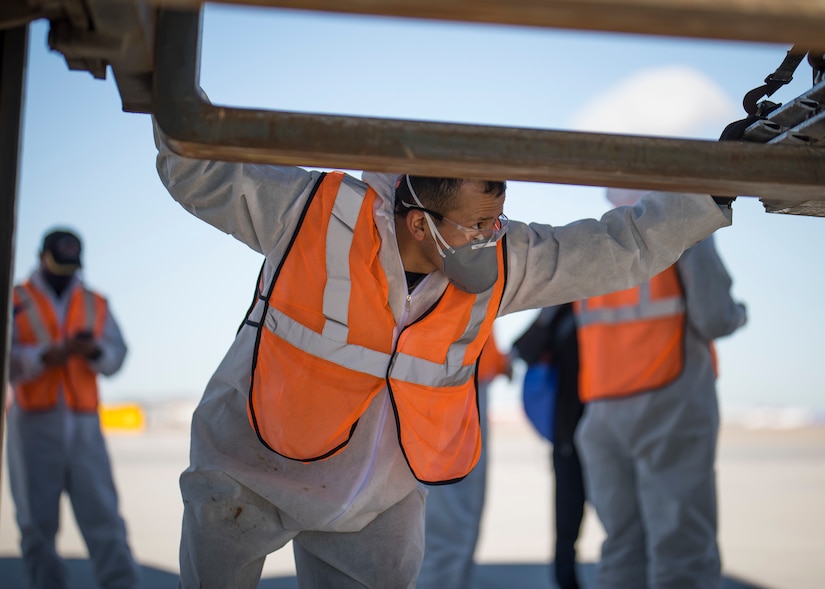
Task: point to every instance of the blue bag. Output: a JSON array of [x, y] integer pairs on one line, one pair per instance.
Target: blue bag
[[539, 397]]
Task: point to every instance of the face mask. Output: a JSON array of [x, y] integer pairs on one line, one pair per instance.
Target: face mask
[[57, 282], [472, 267]]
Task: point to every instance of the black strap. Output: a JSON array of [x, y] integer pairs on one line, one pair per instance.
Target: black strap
[[782, 75]]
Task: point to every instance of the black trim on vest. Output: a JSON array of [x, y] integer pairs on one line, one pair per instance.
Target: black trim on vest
[[392, 396], [475, 372], [257, 295]]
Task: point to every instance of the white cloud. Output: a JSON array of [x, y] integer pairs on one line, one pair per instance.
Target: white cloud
[[674, 101]]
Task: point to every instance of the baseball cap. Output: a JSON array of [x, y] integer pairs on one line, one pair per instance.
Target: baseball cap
[[61, 250]]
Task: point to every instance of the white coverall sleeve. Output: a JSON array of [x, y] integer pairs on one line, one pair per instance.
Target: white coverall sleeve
[[112, 347], [25, 361], [711, 311], [254, 203], [628, 245]]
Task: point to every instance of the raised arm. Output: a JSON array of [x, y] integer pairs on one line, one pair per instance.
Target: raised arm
[[552, 265], [254, 203], [711, 310], [112, 347]]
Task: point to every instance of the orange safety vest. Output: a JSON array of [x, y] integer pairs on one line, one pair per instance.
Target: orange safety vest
[[36, 323], [631, 341], [325, 346]]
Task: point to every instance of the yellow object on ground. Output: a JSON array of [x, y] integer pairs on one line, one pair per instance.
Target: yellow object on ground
[[122, 418]]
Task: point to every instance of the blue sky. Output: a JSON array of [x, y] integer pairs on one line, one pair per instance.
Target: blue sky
[[180, 287]]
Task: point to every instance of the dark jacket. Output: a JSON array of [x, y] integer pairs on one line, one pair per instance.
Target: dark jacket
[[552, 337]]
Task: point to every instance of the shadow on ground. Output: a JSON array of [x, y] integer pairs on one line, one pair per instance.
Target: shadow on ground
[[486, 576]]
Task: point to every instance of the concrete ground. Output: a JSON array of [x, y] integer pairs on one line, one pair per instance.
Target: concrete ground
[[771, 506]]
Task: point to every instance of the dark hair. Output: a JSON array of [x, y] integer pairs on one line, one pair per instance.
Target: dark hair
[[437, 194]]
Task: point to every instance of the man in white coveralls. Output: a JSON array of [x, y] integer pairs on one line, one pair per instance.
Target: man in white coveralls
[[353, 375]]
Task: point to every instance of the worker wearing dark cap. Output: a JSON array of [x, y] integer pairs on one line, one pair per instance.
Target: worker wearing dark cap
[[63, 336]]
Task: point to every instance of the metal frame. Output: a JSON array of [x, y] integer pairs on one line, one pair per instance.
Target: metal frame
[[781, 21], [94, 34], [196, 128]]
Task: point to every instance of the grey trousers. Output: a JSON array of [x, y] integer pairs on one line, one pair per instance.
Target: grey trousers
[[228, 530], [649, 472], [57, 451], [453, 521]]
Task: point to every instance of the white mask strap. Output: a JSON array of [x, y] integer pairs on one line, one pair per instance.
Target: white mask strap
[[436, 233]]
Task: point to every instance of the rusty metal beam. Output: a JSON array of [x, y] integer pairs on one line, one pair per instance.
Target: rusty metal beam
[[196, 128], [785, 21]]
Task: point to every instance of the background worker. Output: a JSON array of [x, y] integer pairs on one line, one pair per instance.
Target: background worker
[[352, 377], [552, 338], [63, 336], [649, 432], [453, 512]]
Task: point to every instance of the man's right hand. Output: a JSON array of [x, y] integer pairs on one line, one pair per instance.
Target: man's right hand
[[83, 344], [55, 356]]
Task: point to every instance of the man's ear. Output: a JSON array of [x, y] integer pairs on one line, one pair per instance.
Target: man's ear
[[416, 224]]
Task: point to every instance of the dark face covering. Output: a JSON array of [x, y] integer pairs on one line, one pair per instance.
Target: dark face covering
[[57, 282]]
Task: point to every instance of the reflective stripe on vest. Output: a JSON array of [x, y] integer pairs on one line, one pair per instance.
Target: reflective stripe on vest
[[326, 346], [631, 341], [36, 323]]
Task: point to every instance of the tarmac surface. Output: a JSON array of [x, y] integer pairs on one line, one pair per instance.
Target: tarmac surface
[[771, 511]]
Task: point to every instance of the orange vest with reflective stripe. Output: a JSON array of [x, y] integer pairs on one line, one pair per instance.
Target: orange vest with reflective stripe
[[36, 323], [327, 346], [631, 341]]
